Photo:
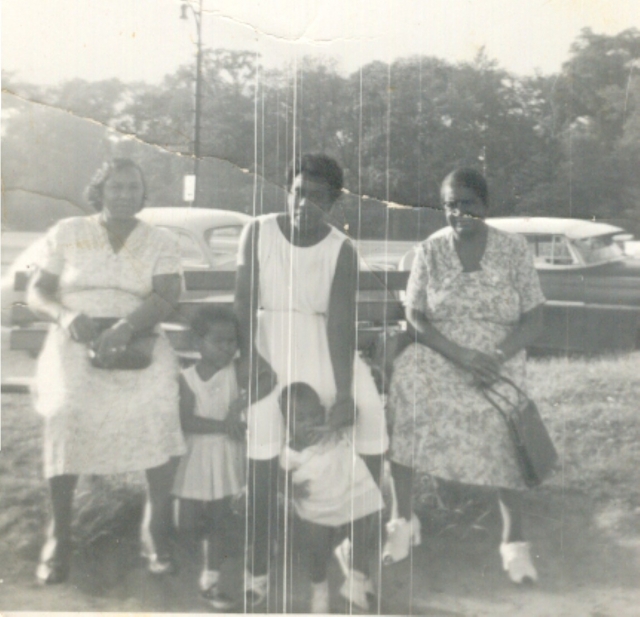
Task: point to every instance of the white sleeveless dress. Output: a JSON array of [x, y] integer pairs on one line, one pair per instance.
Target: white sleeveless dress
[[295, 286], [213, 467]]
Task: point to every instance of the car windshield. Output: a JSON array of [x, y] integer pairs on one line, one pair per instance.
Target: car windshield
[[598, 249]]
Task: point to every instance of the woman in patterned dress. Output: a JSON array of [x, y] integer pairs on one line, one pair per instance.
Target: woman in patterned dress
[[109, 265], [474, 301]]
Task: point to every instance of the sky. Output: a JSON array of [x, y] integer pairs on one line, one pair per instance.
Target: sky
[[48, 41]]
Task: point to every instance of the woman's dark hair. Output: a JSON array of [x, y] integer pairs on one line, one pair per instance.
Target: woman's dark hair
[[469, 178], [293, 394], [208, 315], [320, 168], [95, 190]]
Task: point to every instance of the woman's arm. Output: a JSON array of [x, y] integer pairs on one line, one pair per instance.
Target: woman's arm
[[255, 370], [484, 367], [341, 332], [526, 332], [159, 305], [42, 298], [248, 288]]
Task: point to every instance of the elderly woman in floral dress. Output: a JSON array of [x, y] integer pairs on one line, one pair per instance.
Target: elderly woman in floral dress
[[102, 280], [474, 301]]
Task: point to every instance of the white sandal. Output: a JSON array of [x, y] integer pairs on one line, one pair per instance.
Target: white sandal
[[356, 589], [255, 589], [516, 560]]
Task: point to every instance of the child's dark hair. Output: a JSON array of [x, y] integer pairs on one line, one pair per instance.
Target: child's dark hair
[[210, 314], [299, 391], [320, 168]]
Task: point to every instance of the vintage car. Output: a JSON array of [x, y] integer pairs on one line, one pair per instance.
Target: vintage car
[[592, 287]]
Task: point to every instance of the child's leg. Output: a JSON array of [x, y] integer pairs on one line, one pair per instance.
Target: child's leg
[[217, 517], [321, 543]]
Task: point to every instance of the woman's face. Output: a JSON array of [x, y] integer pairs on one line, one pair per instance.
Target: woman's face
[[309, 200], [122, 194], [464, 210]]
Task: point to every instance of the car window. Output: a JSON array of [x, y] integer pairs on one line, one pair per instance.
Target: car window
[[217, 236], [598, 249], [550, 249], [190, 252]]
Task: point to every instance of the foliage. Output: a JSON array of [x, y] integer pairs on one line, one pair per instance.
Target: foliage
[[563, 145]]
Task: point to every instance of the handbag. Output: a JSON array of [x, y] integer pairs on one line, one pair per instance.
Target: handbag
[[137, 355], [534, 450]]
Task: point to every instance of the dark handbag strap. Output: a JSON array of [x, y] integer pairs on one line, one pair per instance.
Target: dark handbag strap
[[491, 394]]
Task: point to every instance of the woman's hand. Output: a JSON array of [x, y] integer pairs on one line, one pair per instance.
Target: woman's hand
[[82, 329], [342, 413], [484, 368], [113, 341]]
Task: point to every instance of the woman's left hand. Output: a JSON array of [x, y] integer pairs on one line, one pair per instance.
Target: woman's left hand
[[113, 341]]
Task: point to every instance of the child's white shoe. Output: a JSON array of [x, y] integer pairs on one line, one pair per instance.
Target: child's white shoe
[[356, 587], [516, 560], [320, 597], [401, 536], [255, 589]]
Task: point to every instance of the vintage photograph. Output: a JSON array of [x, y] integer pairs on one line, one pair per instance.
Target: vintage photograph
[[323, 307]]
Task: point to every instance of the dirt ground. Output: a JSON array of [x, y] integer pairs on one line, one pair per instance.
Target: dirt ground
[[584, 571], [586, 542]]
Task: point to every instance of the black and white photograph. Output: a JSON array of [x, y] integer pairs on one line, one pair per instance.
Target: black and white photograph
[[321, 306]]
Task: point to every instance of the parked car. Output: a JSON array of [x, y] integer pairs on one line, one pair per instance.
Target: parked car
[[592, 287]]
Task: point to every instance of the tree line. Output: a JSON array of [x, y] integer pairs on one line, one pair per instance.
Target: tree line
[[566, 144]]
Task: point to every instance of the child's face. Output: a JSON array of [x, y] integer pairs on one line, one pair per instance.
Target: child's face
[[219, 345], [307, 416]]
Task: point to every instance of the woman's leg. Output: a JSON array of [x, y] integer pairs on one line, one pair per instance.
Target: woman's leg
[[160, 503], [262, 499], [511, 510], [55, 556], [403, 482]]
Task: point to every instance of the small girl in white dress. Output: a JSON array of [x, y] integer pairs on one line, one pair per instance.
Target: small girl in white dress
[[334, 493], [213, 469]]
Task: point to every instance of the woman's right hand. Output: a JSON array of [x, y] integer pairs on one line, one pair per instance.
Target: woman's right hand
[[484, 368], [82, 329]]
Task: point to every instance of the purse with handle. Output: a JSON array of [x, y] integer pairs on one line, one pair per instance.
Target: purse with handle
[[137, 356], [535, 452]]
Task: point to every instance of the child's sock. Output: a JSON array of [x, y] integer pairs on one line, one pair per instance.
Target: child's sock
[[208, 579]]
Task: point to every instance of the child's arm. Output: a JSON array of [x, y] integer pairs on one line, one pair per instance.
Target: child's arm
[[191, 423]]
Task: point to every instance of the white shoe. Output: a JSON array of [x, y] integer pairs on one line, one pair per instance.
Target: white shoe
[[355, 589], [401, 536], [255, 589], [516, 560], [320, 597]]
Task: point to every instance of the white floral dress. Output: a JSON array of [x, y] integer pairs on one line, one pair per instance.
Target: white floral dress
[[106, 421], [442, 423]]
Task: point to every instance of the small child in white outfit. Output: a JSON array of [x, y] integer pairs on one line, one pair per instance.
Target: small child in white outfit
[[212, 471], [333, 492]]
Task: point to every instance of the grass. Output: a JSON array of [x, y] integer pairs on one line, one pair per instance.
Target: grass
[[590, 406]]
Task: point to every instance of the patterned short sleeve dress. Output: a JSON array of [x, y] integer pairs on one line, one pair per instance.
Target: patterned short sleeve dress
[[442, 424], [106, 421]]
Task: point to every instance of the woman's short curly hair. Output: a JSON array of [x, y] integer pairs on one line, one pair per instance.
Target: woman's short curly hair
[[469, 178], [94, 192], [318, 167]]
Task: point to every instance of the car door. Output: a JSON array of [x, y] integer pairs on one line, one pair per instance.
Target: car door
[[563, 284]]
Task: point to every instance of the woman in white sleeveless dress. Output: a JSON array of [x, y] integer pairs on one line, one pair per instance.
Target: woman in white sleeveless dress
[[296, 300]]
